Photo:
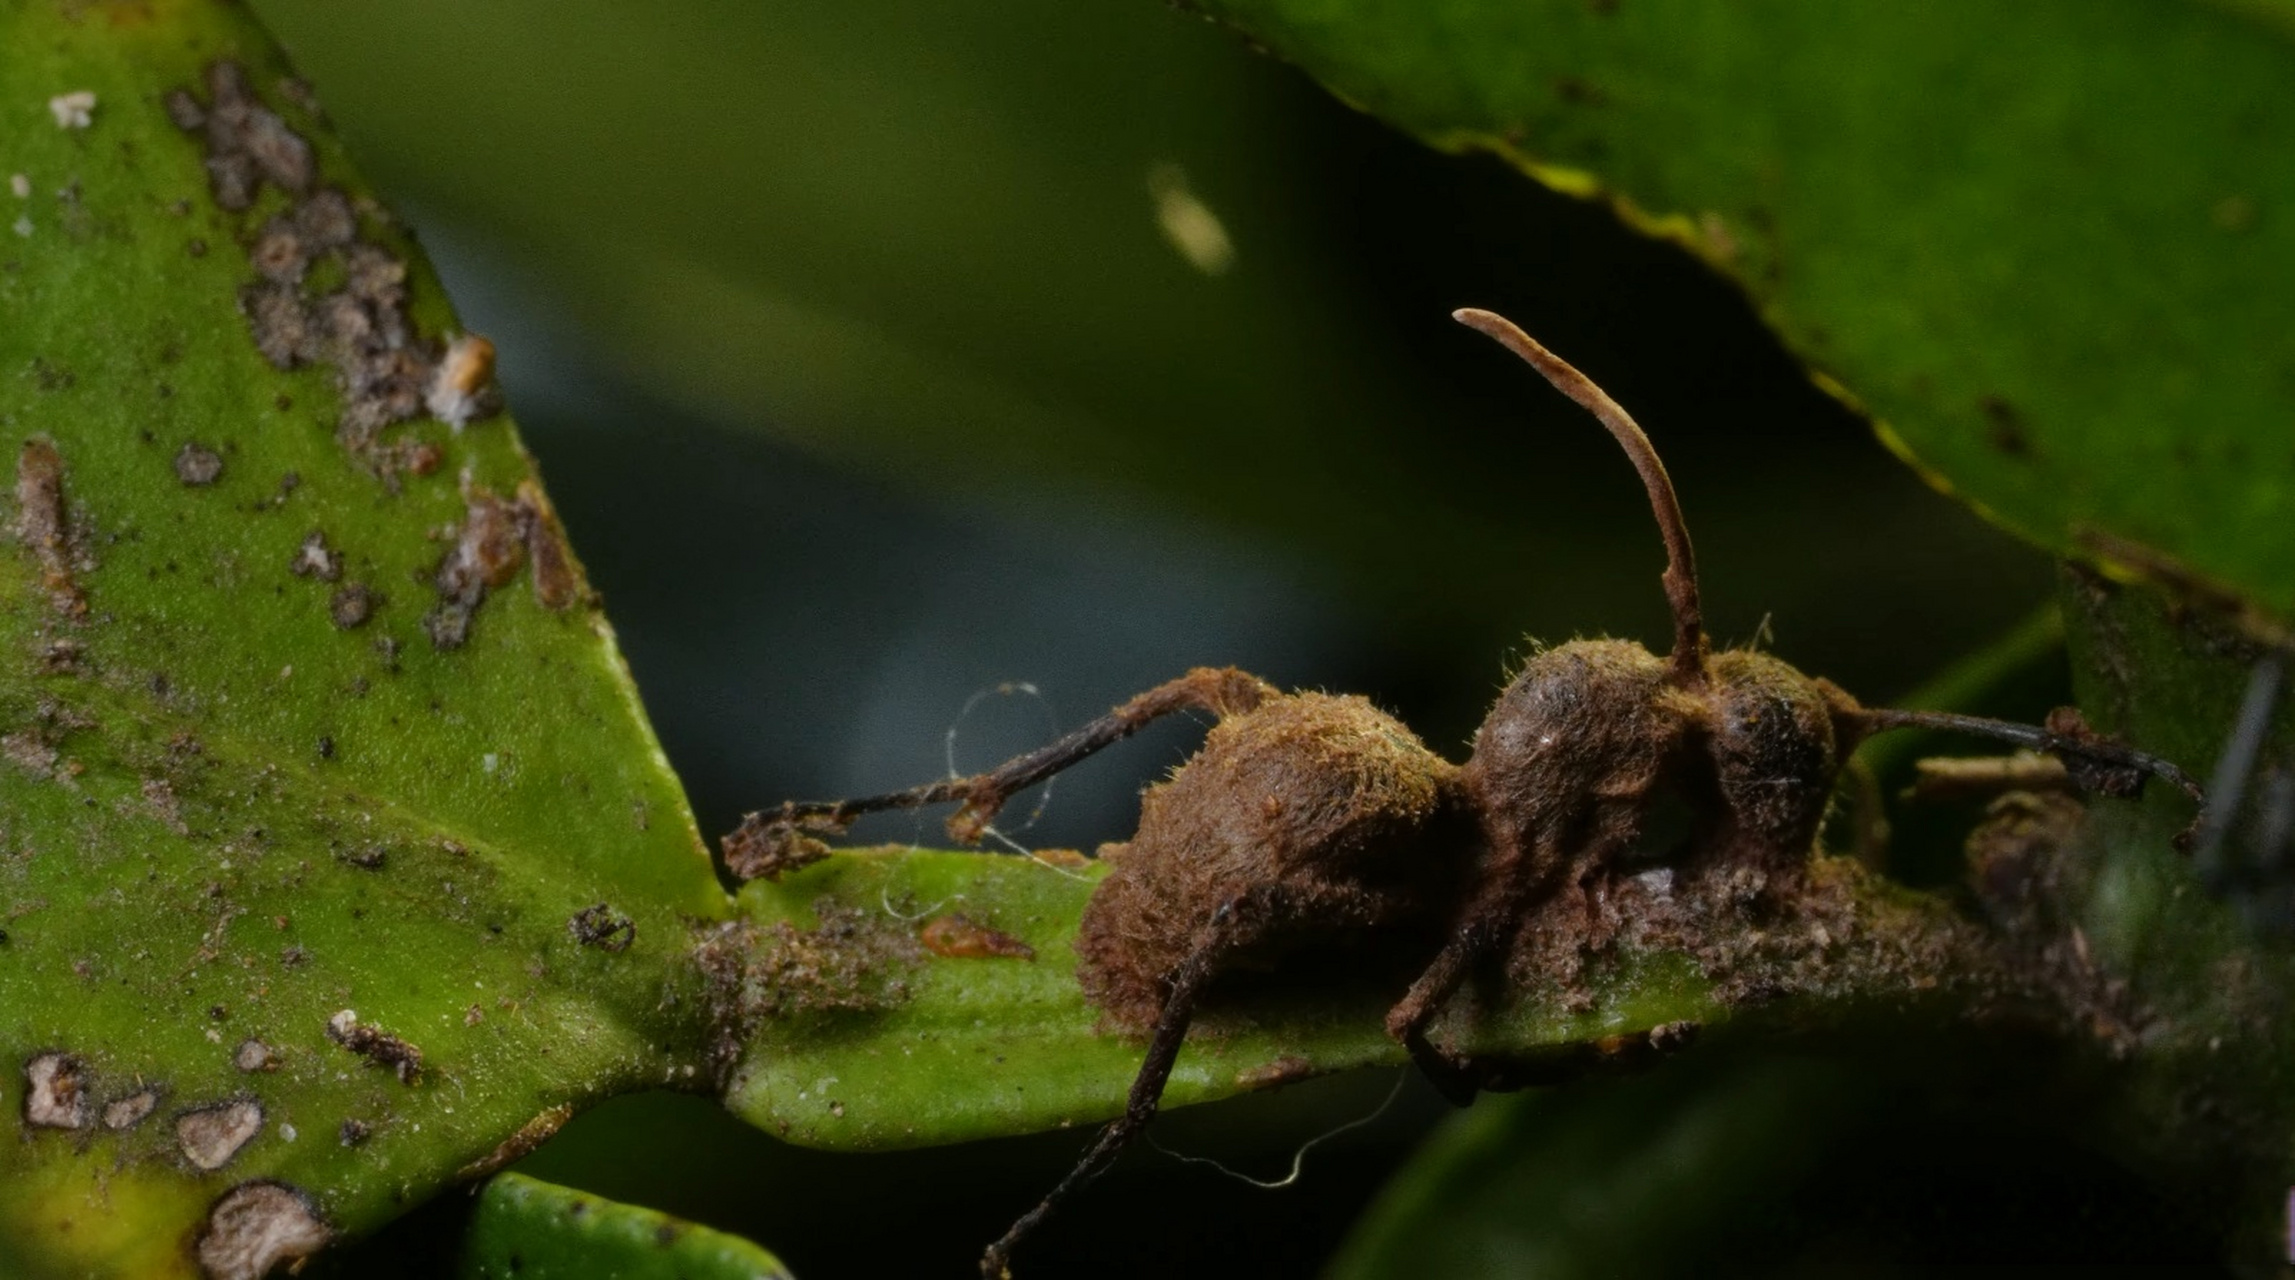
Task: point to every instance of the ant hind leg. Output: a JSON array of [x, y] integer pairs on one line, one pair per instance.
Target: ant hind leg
[[773, 842]]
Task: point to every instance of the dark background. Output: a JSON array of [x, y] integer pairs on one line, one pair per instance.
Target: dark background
[[809, 597]]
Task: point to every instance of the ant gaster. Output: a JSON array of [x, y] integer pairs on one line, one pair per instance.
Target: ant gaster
[[1309, 818]]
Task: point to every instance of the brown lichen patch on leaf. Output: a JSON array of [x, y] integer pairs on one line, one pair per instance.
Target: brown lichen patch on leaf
[[519, 1145], [210, 1136], [30, 753], [387, 372], [255, 1227], [197, 466], [489, 548], [1288, 1069], [375, 1045], [558, 583], [128, 1112], [496, 539], [855, 962], [602, 927], [44, 526], [55, 1092], [960, 938]]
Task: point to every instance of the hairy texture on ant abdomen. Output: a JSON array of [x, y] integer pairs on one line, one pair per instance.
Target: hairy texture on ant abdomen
[[1309, 815]]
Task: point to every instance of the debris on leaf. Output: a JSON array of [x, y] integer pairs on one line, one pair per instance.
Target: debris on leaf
[[519, 1145], [602, 927], [376, 1046], [462, 388], [959, 938]]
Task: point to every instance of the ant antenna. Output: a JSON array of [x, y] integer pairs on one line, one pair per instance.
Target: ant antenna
[[1681, 562]]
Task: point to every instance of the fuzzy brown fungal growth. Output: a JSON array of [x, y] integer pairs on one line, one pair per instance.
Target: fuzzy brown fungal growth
[[43, 524], [1307, 816], [1612, 796]]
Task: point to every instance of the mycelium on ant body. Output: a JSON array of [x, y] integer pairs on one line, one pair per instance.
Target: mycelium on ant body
[[1308, 818]]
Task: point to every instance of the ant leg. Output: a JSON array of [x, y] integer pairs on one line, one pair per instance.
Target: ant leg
[[772, 842], [2096, 763], [1186, 983], [1486, 924]]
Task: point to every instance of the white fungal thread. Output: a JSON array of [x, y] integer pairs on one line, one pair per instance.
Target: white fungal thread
[[1299, 1157]]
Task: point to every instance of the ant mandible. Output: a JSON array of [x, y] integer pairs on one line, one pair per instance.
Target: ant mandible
[[1308, 818]]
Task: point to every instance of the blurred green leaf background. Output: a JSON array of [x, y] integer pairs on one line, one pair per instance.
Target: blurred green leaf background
[[871, 363]]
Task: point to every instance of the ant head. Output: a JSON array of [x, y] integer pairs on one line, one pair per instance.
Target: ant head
[[1758, 736]]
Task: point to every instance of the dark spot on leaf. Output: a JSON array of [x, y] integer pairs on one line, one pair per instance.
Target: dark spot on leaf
[[602, 927], [352, 605], [366, 857], [1578, 92], [184, 111], [2004, 427], [352, 1132], [197, 465], [326, 746]]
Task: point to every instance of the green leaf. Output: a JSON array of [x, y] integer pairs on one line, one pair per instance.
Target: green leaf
[[2044, 245], [535, 1230], [1627, 1178], [955, 1048], [243, 788]]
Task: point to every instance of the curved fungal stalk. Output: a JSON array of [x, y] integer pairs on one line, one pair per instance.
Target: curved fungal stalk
[[1688, 659]]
